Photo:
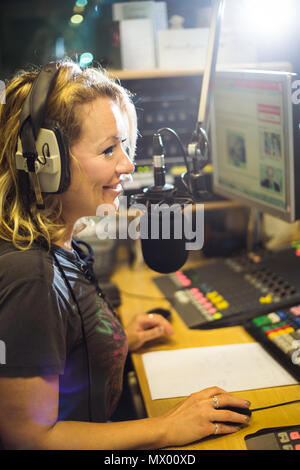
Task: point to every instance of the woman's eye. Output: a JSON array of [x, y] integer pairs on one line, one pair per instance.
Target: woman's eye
[[109, 151]]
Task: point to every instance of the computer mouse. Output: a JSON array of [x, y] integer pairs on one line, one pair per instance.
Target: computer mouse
[[236, 409], [161, 311], [242, 411]]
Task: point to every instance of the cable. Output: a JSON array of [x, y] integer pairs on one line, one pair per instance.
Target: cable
[[141, 296], [171, 131], [274, 406], [66, 280]]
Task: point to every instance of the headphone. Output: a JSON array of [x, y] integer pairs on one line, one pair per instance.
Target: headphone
[[42, 156]]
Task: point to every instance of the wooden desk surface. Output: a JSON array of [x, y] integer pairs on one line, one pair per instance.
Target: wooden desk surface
[[139, 294]]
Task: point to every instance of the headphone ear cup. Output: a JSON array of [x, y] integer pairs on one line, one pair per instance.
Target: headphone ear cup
[[52, 164], [63, 146]]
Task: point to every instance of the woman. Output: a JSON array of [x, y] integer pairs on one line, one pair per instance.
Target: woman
[[65, 349]]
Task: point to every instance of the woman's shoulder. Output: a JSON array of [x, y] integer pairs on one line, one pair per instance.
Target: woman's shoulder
[[34, 262]]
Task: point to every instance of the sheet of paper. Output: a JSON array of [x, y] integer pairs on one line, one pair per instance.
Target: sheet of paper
[[233, 367]]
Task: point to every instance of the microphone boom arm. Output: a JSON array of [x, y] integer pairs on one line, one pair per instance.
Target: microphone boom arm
[[198, 147]]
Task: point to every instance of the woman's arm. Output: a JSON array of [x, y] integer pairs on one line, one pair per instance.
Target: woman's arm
[[29, 410]]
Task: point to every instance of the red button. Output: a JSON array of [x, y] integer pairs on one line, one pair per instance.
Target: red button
[[294, 435], [297, 447], [207, 305], [194, 290], [295, 311], [272, 330], [199, 295]]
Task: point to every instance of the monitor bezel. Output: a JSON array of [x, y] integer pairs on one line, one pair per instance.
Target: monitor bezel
[[286, 78]]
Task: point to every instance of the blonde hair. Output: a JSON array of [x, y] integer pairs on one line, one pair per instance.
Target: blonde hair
[[72, 87]]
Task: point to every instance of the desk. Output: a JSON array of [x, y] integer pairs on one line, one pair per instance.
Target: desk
[[139, 294]]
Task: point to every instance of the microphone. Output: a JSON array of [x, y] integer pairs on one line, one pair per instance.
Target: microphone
[[161, 226]]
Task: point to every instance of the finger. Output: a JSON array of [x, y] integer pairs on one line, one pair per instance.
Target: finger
[[224, 400], [221, 428], [153, 333], [209, 392], [228, 417], [154, 319]]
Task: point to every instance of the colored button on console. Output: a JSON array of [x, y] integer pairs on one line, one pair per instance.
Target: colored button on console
[[261, 321], [283, 437], [295, 311], [212, 295], [183, 279], [266, 300], [217, 316], [222, 305]]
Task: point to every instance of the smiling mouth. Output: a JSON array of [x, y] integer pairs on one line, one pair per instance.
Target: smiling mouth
[[114, 187]]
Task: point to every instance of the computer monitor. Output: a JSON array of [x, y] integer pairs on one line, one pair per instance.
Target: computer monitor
[[255, 140]]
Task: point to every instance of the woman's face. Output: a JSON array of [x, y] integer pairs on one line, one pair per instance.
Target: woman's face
[[101, 154]]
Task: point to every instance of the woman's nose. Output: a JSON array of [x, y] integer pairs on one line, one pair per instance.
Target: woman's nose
[[125, 164]]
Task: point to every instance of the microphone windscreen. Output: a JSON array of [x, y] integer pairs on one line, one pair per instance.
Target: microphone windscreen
[[163, 250], [164, 256]]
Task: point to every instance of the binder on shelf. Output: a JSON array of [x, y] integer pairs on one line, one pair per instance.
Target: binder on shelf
[[156, 14], [182, 48], [155, 11], [137, 44]]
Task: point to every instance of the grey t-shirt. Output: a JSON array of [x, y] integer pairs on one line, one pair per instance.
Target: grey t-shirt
[[41, 329]]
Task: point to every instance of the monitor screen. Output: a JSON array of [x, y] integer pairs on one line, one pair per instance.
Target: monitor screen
[[252, 140]]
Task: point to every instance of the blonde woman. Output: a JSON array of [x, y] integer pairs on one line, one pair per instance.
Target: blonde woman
[[65, 349]]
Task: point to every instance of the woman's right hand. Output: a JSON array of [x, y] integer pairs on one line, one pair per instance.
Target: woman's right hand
[[195, 417]]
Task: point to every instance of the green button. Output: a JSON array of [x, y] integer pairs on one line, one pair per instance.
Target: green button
[[217, 316], [261, 321]]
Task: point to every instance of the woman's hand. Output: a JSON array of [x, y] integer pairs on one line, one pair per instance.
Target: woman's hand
[[145, 327], [195, 417]]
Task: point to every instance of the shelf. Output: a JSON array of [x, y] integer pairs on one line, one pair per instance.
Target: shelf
[[163, 73], [151, 73]]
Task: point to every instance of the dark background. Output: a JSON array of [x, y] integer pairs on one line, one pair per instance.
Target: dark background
[[29, 30]]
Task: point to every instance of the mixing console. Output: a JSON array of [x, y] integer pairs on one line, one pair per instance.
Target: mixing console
[[229, 291], [279, 333]]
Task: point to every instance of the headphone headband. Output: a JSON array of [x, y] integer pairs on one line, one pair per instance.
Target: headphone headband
[[34, 107]]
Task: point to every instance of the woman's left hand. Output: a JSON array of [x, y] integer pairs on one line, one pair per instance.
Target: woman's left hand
[[145, 327]]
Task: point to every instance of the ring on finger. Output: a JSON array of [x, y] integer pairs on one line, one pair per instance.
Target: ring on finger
[[215, 401], [217, 428]]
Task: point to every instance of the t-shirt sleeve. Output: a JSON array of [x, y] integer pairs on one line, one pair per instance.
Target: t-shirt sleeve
[[32, 330]]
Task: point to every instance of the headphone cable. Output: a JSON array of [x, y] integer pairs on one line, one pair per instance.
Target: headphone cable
[[83, 333]]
